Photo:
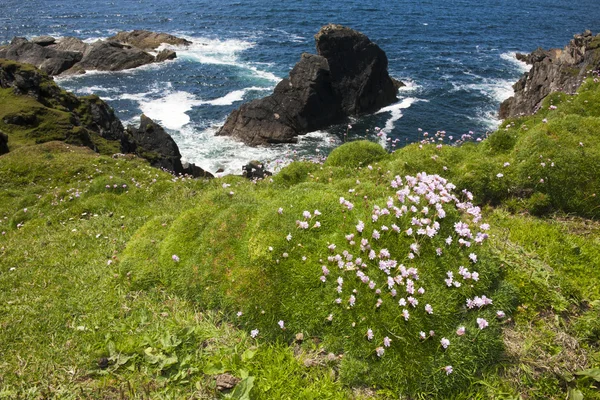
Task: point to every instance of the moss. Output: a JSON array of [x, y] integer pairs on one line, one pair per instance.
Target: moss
[[355, 154]]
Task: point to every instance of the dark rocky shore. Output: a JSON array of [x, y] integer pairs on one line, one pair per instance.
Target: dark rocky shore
[[39, 111], [554, 70], [71, 55], [348, 77]]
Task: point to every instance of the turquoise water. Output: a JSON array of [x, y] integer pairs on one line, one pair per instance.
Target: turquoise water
[[456, 56]]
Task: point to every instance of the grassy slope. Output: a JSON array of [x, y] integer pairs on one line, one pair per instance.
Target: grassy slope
[[169, 327]]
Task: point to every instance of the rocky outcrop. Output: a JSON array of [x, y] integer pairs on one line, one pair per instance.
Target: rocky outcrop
[[71, 55], [551, 71], [54, 114], [348, 77], [3, 143], [147, 40], [153, 143]]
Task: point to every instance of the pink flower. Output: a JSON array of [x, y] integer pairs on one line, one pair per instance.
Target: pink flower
[[369, 334], [175, 258], [254, 333], [482, 323], [428, 309], [387, 341], [448, 369], [306, 214], [281, 324], [500, 314], [280, 211], [380, 351], [460, 331], [422, 335], [445, 343]]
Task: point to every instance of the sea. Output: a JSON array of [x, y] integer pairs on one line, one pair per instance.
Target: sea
[[457, 58]]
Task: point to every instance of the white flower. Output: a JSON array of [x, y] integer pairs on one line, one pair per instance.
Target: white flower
[[254, 333]]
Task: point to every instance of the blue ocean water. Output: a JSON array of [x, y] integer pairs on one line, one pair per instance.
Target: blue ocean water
[[457, 57]]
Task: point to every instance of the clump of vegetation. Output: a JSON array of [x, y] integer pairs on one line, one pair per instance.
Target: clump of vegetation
[[120, 280]]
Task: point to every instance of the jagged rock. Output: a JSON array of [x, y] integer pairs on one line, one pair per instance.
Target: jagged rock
[[70, 43], [43, 40], [70, 55], [226, 382], [153, 143], [358, 69], [49, 60], [255, 170], [82, 121], [321, 90], [113, 56], [147, 40], [165, 55], [3, 143], [551, 71]]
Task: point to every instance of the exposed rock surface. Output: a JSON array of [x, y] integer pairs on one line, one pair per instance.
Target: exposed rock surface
[[147, 40], [551, 71], [348, 77], [3, 143], [71, 55], [152, 142], [54, 114], [226, 382]]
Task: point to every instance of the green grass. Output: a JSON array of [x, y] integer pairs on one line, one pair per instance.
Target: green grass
[[87, 272]]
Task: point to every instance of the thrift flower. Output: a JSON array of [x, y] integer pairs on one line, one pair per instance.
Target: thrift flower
[[448, 369], [379, 351], [445, 343], [175, 258], [460, 331], [254, 333], [387, 341], [482, 323], [500, 314], [369, 334], [281, 324]]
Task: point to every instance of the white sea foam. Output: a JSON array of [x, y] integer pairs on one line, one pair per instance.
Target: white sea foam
[[395, 111], [232, 97], [170, 110], [511, 57]]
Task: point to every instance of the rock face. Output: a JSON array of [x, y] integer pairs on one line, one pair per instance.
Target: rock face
[[71, 55], [54, 114], [147, 40], [348, 77], [551, 71], [152, 142], [3, 143]]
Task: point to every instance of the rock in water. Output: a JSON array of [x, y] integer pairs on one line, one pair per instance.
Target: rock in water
[[358, 69], [113, 56], [147, 40], [349, 77], [551, 71], [153, 143]]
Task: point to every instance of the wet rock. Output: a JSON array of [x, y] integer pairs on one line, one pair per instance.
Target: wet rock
[[165, 55], [347, 78]]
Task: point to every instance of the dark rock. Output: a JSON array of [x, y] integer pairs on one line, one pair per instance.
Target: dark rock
[[226, 382], [153, 143], [103, 363], [20, 119], [113, 56], [165, 55], [100, 118], [3, 143], [70, 55], [70, 43], [43, 40], [148, 40], [358, 69], [302, 103], [348, 77], [48, 59], [551, 71], [255, 170]]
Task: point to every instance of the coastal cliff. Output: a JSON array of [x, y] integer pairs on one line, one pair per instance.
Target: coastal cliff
[[553, 70]]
